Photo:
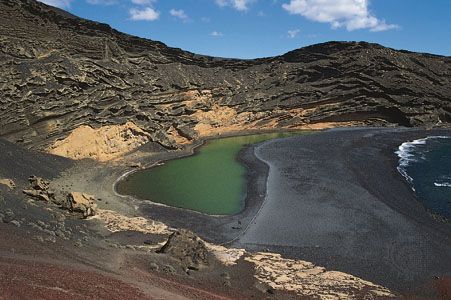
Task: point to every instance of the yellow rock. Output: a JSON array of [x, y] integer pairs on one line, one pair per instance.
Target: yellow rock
[[102, 144], [83, 203], [8, 182]]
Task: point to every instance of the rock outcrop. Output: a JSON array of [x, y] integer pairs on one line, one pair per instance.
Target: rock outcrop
[[58, 72], [310, 281], [75, 202], [81, 203], [39, 189], [116, 222], [102, 144], [188, 248]]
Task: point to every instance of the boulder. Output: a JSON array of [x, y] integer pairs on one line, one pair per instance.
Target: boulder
[[8, 182], [38, 183], [83, 203], [136, 165], [188, 248], [37, 194], [39, 189]]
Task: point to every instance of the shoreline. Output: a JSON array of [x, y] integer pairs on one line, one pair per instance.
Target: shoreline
[[254, 191], [213, 228], [192, 149]]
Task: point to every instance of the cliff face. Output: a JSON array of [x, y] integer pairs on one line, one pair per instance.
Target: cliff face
[[58, 72]]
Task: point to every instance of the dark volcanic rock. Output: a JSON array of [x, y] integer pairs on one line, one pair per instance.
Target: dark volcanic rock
[[38, 183], [39, 189], [59, 71]]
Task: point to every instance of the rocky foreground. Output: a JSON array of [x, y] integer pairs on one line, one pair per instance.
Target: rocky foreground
[[58, 71]]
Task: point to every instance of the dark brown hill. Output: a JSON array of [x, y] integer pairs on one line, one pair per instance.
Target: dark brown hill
[[58, 71]]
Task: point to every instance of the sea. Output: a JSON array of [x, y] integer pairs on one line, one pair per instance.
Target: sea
[[426, 165]]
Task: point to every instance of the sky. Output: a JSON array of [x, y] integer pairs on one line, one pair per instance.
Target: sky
[[262, 28]]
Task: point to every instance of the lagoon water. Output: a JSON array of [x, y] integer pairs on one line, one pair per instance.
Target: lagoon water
[[211, 182], [426, 164]]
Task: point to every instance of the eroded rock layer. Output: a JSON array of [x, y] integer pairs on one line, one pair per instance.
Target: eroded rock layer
[[58, 72]]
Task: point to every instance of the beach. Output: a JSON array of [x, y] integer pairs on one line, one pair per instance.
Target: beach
[[336, 199]]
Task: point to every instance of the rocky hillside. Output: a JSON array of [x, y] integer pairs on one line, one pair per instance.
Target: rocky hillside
[[58, 72]]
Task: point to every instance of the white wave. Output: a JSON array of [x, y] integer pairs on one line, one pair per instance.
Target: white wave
[[405, 151], [443, 184], [406, 154]]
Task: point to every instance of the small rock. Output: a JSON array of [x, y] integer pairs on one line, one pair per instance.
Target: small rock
[[50, 239], [50, 232], [227, 283], [9, 213], [169, 269], [60, 234], [8, 218], [135, 165], [42, 224], [60, 217], [38, 183], [15, 223], [270, 291], [153, 267]]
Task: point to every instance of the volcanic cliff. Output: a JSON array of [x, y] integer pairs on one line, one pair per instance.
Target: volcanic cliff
[[58, 72]]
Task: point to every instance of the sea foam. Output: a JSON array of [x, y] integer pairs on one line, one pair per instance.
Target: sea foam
[[443, 184], [406, 154], [443, 181]]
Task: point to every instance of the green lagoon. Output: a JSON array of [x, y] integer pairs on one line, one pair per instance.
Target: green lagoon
[[212, 181]]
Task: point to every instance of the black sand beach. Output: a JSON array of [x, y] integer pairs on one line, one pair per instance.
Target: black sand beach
[[336, 199]]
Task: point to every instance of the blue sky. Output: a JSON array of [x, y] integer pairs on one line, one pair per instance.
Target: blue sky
[[261, 28]]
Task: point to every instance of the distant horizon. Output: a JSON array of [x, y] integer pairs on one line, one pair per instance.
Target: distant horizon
[[253, 29]]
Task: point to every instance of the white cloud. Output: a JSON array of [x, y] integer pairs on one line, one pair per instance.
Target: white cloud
[[57, 3], [179, 13], [293, 33], [216, 34], [351, 14], [143, 2], [241, 5], [102, 2], [145, 14]]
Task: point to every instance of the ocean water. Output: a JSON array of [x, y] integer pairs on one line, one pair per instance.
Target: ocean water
[[426, 165]]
